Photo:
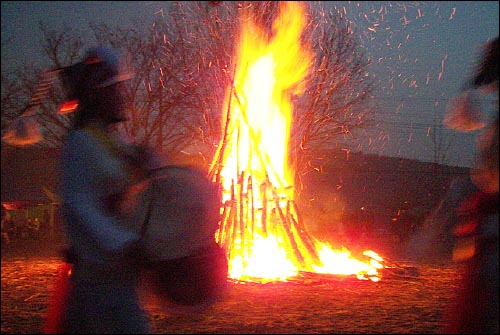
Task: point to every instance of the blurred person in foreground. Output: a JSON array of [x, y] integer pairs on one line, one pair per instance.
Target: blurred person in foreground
[[102, 295], [476, 230], [122, 249]]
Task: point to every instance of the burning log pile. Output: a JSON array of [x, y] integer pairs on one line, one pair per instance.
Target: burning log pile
[[261, 227], [246, 219]]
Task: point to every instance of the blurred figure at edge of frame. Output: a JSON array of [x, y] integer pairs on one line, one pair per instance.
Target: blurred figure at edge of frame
[[477, 230]]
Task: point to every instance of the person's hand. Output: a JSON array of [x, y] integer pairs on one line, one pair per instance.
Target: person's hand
[[146, 158]]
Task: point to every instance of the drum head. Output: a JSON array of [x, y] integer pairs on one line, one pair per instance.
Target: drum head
[[180, 209]]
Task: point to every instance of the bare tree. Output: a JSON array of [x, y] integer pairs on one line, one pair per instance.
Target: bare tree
[[441, 142], [11, 94], [338, 91], [11, 98], [184, 65], [21, 87]]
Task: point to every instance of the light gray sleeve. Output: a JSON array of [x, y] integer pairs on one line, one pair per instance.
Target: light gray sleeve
[[85, 163]]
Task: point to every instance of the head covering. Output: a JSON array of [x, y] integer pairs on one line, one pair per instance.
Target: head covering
[[109, 69], [91, 87], [487, 71], [100, 68]]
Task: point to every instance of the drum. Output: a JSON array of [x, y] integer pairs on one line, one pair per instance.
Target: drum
[[178, 212]]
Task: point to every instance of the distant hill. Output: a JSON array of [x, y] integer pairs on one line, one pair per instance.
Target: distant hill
[[379, 184], [375, 184]]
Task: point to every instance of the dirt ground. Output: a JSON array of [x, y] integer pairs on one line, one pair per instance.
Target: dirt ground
[[410, 298]]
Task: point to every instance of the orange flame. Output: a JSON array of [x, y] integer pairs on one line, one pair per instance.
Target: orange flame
[[269, 71]]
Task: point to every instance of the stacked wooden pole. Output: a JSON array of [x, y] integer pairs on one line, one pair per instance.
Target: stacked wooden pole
[[240, 222]]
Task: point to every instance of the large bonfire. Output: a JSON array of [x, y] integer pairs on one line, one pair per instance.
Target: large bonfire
[[261, 229]]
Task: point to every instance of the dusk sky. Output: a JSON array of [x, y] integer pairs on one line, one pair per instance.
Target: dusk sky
[[422, 53]]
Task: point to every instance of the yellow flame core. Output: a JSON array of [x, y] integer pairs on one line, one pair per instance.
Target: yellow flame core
[[268, 73]]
